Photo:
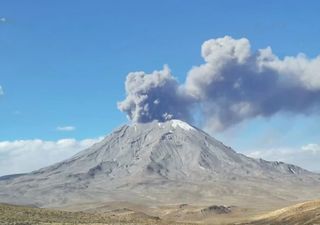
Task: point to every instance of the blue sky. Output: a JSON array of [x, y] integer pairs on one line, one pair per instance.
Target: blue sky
[[64, 63]]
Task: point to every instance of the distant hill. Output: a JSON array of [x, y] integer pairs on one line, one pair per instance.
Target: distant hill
[[307, 213]]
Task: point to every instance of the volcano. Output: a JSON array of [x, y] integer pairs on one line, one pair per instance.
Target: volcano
[[160, 163]]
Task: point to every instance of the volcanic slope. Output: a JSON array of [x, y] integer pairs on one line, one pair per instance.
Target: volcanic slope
[[161, 163]]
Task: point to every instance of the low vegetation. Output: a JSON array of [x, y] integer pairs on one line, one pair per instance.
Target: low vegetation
[[307, 213], [22, 215]]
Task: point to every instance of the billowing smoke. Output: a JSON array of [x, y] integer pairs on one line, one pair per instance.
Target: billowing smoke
[[232, 85], [154, 96]]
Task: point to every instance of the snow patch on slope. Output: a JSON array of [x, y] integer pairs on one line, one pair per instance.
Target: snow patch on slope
[[181, 124]]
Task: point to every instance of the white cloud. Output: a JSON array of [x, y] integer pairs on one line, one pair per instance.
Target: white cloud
[[22, 156], [1, 90], [3, 19], [66, 128], [307, 156]]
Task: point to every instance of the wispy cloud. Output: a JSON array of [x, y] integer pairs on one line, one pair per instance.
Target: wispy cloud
[[1, 90], [3, 19], [307, 156], [22, 156], [66, 128]]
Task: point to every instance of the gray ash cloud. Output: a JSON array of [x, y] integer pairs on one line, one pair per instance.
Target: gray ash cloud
[[233, 84], [154, 96]]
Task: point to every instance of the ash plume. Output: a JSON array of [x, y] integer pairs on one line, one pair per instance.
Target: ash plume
[[154, 96], [233, 84]]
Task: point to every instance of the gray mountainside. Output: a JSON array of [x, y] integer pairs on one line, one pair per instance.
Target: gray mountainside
[[160, 163]]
